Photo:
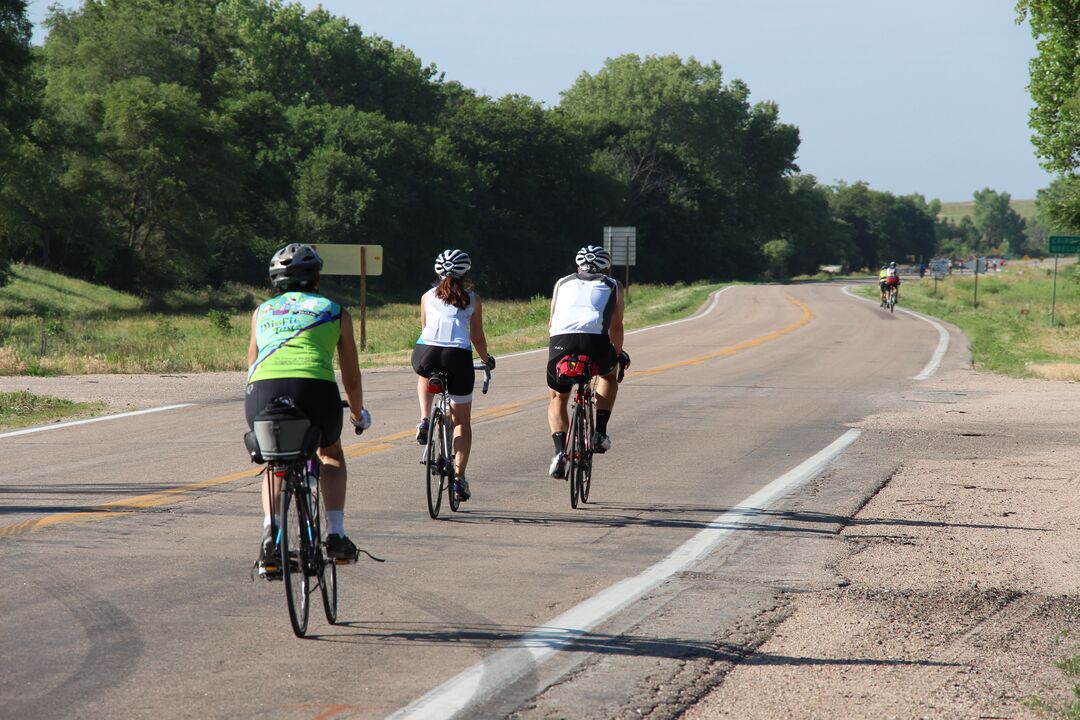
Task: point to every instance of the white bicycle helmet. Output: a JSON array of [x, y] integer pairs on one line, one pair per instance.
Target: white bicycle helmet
[[593, 258], [294, 263], [452, 263]]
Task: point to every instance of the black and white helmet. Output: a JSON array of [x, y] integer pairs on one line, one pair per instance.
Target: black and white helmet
[[593, 258], [294, 263], [452, 263]]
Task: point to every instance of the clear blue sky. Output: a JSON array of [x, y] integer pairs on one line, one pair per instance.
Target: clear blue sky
[[923, 96]]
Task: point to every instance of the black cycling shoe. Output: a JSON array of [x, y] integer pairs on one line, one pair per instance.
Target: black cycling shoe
[[422, 432], [461, 486], [340, 547], [269, 562]]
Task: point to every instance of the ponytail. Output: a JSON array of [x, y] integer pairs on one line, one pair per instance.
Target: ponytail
[[453, 291]]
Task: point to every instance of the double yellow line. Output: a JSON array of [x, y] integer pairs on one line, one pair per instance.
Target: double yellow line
[[366, 447]]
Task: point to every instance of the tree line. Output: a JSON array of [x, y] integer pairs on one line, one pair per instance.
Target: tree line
[[157, 144]]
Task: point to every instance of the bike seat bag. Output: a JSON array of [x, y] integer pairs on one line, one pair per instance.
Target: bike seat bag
[[575, 369], [281, 432]]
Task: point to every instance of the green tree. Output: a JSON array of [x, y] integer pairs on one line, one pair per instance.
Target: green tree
[[693, 157], [311, 57], [1000, 227], [17, 106], [883, 227], [1055, 82]]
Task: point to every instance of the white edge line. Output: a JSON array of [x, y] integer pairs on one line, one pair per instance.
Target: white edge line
[[510, 664], [696, 316], [943, 337], [72, 423]]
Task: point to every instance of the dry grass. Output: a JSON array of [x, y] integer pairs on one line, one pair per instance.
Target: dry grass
[[1055, 371]]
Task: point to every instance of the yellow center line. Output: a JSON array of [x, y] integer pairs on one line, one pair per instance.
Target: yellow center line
[[366, 447], [807, 316]]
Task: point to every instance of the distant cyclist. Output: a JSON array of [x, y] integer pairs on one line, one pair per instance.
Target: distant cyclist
[[293, 339], [586, 318], [452, 324], [882, 274], [892, 278]]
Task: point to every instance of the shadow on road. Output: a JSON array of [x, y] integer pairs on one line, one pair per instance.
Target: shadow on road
[[613, 515], [497, 637]]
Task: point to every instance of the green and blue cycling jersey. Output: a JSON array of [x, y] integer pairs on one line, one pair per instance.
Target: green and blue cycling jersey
[[296, 334]]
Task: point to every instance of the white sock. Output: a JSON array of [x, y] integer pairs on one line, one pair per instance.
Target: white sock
[[274, 520], [335, 521]]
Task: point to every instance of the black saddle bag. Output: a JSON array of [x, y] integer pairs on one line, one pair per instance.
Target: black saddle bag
[[281, 433]]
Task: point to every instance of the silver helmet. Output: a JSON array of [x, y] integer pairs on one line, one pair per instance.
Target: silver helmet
[[452, 263], [294, 263], [593, 258]]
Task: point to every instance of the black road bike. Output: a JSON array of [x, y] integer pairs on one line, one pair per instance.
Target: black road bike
[[888, 300], [579, 450], [286, 441], [438, 457]]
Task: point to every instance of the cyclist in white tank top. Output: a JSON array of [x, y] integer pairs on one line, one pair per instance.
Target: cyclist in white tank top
[[586, 318], [444, 324], [451, 319]]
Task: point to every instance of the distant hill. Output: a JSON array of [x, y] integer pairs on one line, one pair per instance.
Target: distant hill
[[956, 210]]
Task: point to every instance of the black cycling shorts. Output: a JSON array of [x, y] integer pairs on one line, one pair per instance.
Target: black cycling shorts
[[318, 399], [597, 347], [457, 362]]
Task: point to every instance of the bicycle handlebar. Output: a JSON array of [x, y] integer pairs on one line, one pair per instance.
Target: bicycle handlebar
[[487, 375]]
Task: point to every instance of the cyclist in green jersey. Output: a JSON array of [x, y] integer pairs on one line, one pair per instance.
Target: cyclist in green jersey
[[293, 339]]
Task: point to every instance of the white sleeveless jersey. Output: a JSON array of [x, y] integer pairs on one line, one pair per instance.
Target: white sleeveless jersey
[[584, 304], [446, 325]]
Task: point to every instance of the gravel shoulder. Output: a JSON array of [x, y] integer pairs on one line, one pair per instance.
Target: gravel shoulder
[[962, 571]]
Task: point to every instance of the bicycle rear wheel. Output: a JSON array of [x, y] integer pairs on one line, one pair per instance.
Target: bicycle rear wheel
[[294, 553], [433, 464], [577, 444]]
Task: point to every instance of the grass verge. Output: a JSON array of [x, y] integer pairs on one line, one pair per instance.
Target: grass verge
[[53, 325], [1071, 711], [1010, 330], [22, 409]]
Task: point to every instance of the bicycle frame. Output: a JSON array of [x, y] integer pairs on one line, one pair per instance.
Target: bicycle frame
[[578, 450], [441, 421]]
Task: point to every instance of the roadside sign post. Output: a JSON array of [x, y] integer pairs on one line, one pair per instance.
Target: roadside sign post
[[1060, 245], [980, 264], [621, 244], [939, 268], [363, 297], [362, 260], [1053, 296]]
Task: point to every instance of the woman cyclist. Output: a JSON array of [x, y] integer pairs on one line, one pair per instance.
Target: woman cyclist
[[452, 322], [293, 339]]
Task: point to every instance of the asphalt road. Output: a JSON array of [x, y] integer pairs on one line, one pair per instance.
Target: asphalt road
[[125, 545]]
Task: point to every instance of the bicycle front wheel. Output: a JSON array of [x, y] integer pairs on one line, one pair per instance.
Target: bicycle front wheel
[[294, 553], [433, 464], [326, 567], [328, 585], [585, 472], [446, 430]]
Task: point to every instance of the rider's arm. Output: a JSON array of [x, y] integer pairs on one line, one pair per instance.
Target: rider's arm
[[476, 330], [615, 332], [350, 366], [423, 312], [253, 347]]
